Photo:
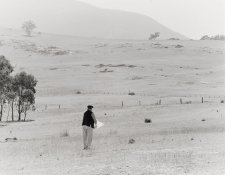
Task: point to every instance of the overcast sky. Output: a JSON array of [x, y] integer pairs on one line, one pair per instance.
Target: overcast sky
[[192, 18]]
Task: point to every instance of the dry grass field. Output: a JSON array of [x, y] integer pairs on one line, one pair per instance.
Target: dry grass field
[[72, 72]]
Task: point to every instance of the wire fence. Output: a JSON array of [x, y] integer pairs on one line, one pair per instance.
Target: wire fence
[[137, 99]]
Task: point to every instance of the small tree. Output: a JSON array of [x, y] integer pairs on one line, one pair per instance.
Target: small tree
[[11, 95], [28, 27], [5, 70], [25, 88], [28, 101], [154, 36]]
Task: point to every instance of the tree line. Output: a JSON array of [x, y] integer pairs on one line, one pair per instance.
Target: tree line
[[17, 93], [216, 37]]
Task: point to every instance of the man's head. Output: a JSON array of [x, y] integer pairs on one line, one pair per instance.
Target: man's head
[[90, 107]]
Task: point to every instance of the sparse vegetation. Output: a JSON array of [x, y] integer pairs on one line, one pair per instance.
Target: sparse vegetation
[[216, 37], [42, 50]]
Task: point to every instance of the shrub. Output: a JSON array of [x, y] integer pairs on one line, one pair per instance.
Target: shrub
[[131, 141], [131, 93], [222, 101], [147, 120], [154, 36]]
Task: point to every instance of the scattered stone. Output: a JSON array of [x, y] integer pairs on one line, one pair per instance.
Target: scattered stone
[[192, 139], [203, 120]]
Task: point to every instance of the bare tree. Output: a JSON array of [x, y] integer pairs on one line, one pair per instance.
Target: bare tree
[[28, 27]]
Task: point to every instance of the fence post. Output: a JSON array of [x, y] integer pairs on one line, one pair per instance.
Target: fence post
[[122, 103], [202, 100]]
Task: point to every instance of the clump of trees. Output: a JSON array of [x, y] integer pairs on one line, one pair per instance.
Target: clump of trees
[[154, 36], [216, 37], [28, 27], [16, 92]]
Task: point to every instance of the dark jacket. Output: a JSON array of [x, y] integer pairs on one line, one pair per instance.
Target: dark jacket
[[88, 119]]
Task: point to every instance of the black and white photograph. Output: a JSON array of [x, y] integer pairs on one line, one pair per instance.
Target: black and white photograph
[[112, 87]]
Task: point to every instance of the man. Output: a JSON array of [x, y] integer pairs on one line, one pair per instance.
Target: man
[[89, 123]]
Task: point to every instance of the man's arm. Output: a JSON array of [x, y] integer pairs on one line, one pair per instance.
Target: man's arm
[[93, 116]]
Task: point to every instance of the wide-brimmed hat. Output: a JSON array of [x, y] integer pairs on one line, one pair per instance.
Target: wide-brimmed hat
[[90, 106]]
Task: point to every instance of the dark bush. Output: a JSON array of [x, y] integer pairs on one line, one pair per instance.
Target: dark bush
[[131, 93], [147, 120]]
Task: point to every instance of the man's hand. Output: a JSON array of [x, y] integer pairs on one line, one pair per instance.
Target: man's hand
[[95, 126]]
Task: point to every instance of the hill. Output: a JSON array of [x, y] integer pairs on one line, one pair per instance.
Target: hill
[[80, 19]]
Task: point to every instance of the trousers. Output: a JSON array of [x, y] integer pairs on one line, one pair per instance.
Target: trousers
[[87, 136]]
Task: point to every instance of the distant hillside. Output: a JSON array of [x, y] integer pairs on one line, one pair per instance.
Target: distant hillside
[[71, 17]]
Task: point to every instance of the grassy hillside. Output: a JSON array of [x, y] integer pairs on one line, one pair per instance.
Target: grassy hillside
[[80, 19], [74, 72]]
